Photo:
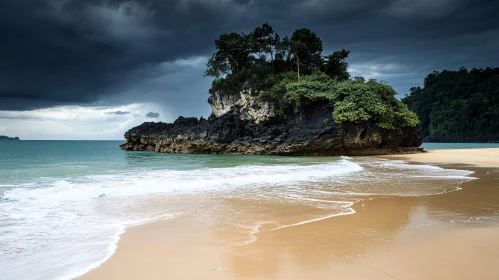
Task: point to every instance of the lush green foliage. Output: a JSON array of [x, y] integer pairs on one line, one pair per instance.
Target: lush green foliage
[[361, 101], [293, 74], [458, 105], [352, 100]]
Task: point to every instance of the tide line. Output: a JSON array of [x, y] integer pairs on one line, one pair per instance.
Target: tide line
[[351, 211], [253, 231]]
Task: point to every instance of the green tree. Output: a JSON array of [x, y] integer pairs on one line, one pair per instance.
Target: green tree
[[232, 55], [265, 42], [306, 47], [335, 65]]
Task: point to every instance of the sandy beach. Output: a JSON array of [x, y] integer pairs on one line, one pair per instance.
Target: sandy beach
[[477, 157], [453, 235]]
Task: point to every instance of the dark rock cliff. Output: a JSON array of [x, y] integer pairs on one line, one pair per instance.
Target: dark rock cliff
[[242, 124]]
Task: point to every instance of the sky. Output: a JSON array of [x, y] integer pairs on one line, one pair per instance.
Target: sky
[[74, 69]]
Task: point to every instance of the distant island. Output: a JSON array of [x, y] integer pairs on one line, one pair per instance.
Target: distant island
[[3, 137], [458, 106], [281, 96]]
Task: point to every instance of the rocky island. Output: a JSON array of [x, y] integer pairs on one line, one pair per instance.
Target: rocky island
[[3, 137], [282, 97]]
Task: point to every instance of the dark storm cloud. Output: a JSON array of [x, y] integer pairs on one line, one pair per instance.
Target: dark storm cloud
[[57, 52], [152, 115]]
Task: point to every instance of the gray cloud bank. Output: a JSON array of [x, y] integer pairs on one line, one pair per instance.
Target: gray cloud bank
[[152, 115], [63, 52]]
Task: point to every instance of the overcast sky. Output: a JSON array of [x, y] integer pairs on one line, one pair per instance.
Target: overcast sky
[[74, 69]]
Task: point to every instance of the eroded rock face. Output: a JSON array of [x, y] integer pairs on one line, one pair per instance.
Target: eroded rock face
[[244, 104], [241, 124]]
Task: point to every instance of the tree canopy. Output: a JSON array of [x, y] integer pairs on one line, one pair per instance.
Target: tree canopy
[[458, 106], [292, 73], [252, 58]]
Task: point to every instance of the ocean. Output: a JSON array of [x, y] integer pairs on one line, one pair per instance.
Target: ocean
[[445, 146], [64, 204]]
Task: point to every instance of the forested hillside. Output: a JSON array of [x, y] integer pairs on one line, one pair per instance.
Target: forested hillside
[[458, 106]]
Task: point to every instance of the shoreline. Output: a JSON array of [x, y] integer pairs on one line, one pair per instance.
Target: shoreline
[[131, 247]]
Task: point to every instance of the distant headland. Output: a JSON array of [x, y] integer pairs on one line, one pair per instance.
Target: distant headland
[[3, 137]]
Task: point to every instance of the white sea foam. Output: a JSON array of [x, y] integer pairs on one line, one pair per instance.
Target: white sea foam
[[398, 164], [82, 217], [61, 228]]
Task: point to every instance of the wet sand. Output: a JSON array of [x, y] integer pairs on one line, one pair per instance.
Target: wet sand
[[448, 236]]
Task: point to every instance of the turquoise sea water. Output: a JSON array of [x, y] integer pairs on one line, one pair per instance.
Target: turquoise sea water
[[63, 204], [23, 161]]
